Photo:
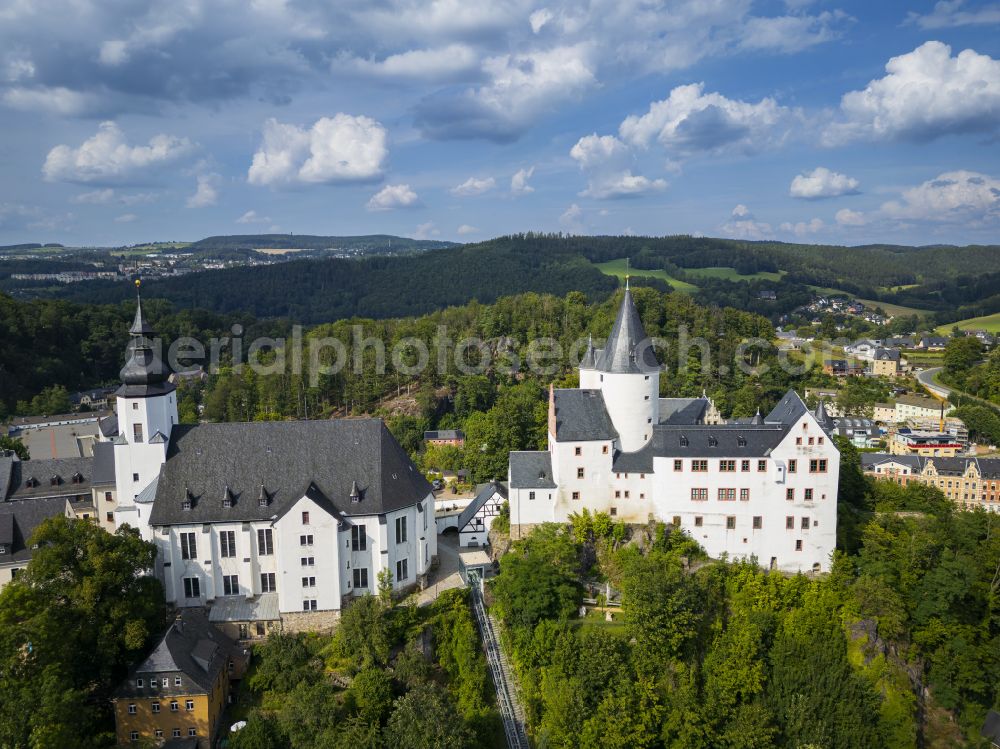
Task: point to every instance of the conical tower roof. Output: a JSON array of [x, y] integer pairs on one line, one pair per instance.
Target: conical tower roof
[[589, 360], [145, 374], [627, 350]]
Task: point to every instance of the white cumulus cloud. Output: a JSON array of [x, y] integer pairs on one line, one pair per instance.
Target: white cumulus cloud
[[206, 193], [803, 228], [743, 225], [519, 182], [822, 183], [466, 229], [426, 231], [926, 93], [107, 157], [847, 217], [252, 217], [952, 13], [337, 149], [962, 197], [689, 120], [607, 163], [473, 186], [391, 197], [431, 64], [126, 218]]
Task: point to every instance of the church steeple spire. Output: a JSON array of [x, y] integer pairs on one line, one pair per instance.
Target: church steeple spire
[[628, 350], [145, 373]]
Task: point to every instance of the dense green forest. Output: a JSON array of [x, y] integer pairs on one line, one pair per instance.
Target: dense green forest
[[899, 646], [405, 677], [319, 290]]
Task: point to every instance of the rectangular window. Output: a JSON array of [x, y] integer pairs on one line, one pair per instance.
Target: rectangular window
[[189, 705], [758, 522], [614, 511], [177, 733], [744, 466], [604, 449], [792, 465], [727, 495], [137, 432], [360, 577], [790, 522], [678, 465], [699, 495], [809, 495], [811, 440], [135, 476], [576, 495], [531, 495], [359, 538], [819, 440], [698, 520], [402, 570], [174, 706], [158, 733], [579, 472], [107, 497], [578, 451], [305, 518], [761, 465], [133, 735], [155, 707], [230, 585], [192, 587], [131, 708], [805, 523], [308, 582], [798, 544], [730, 522], [306, 540], [677, 521], [728, 466], [308, 561], [308, 604], [699, 465], [400, 530], [790, 494], [817, 466], [177, 681], [267, 582], [618, 494], [192, 732], [189, 546], [798, 440], [111, 517], [227, 543], [265, 541], [744, 495], [626, 494]]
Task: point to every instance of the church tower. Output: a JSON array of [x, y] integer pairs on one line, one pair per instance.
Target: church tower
[[628, 374], [147, 412]]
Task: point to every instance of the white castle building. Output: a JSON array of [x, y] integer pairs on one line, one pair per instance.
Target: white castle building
[[265, 521], [764, 487]]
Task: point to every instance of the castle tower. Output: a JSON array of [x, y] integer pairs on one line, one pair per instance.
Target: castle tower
[[147, 413], [628, 375]]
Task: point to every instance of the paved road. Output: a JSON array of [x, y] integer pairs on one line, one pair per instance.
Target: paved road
[[446, 575], [926, 378]]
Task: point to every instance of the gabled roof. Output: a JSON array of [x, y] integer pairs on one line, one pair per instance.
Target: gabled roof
[[104, 464], [191, 648], [628, 349], [581, 416], [887, 354], [44, 471], [285, 458], [788, 411], [6, 473], [682, 410], [702, 441], [20, 519], [486, 493], [531, 470]]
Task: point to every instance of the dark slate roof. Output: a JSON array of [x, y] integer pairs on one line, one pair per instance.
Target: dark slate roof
[[192, 648], [18, 520], [109, 426], [887, 354], [582, 417], [589, 360], [991, 727], [870, 460], [682, 410], [445, 434], [43, 471], [789, 409], [104, 464], [627, 350], [702, 441], [145, 373], [285, 457], [531, 470], [484, 496], [988, 467], [6, 473]]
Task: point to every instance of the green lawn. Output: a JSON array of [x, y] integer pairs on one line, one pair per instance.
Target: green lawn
[[730, 274], [896, 310], [618, 268], [988, 322]]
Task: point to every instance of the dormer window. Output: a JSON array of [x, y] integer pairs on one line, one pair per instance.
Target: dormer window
[[741, 441], [227, 498], [77, 478], [684, 441], [713, 441], [263, 499], [55, 481], [185, 504]]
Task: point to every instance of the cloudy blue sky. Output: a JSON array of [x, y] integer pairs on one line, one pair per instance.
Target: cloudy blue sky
[[848, 122]]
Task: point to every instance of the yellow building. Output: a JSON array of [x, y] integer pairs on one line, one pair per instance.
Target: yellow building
[[181, 688], [967, 482], [887, 363], [906, 441]]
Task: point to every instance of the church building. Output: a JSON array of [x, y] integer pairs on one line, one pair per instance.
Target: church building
[[265, 523], [764, 487]]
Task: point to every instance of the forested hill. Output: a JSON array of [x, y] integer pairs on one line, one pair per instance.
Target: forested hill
[[313, 291], [372, 243], [318, 290]]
